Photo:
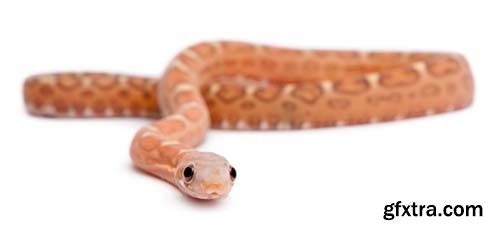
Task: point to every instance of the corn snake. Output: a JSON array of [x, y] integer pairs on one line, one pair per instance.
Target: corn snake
[[234, 85]]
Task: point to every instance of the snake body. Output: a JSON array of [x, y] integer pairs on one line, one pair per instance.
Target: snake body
[[235, 85]]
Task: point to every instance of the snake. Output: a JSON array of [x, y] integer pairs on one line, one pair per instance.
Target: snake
[[234, 85]]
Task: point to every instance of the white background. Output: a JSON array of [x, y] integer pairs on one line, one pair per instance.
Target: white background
[[76, 175]]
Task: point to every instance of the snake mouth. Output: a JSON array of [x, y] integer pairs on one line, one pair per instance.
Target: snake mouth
[[214, 195]]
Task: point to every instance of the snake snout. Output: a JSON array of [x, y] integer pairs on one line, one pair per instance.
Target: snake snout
[[213, 188]]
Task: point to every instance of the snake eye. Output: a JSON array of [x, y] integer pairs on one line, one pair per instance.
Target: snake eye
[[232, 173], [188, 173]]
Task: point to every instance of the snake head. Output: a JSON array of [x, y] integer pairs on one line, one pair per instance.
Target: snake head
[[205, 175]]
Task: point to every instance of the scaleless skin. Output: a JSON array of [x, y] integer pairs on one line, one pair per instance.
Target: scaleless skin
[[233, 85]]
